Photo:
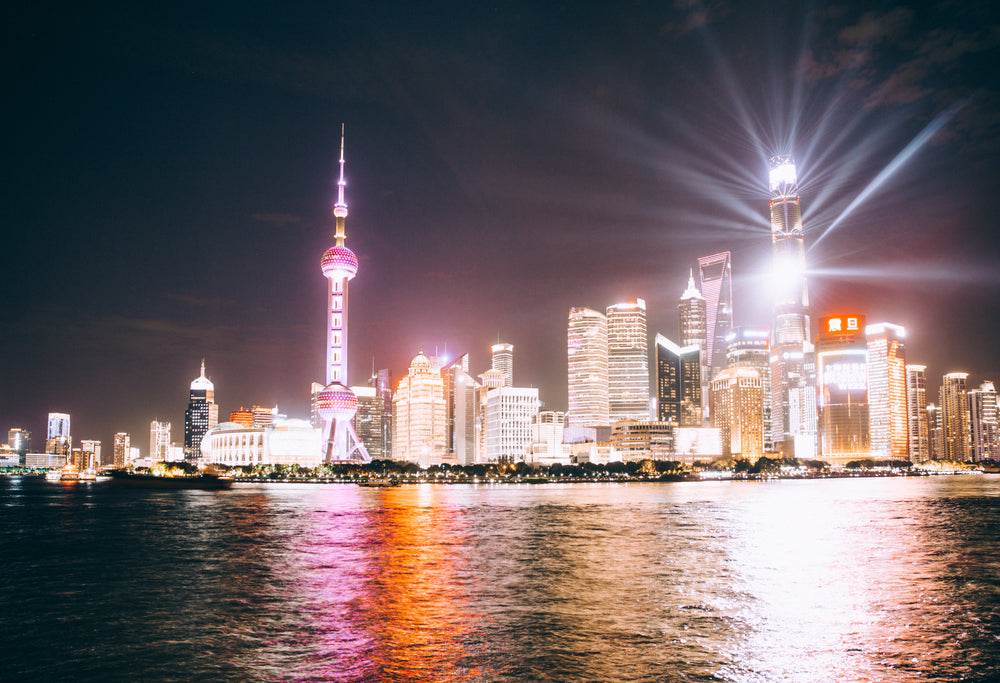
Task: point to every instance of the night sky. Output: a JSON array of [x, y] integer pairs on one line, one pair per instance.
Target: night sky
[[169, 176]]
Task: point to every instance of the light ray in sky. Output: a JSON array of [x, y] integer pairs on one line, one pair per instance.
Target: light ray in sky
[[900, 159]]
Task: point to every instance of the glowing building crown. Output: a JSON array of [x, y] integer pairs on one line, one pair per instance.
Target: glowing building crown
[[782, 179]]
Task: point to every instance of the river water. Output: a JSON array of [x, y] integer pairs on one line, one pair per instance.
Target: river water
[[887, 579]]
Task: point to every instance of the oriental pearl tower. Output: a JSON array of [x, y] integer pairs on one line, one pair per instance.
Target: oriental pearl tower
[[337, 404]]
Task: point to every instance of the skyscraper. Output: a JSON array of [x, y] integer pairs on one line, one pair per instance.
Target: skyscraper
[[502, 359], [983, 419], [460, 409], [91, 449], [956, 440], [159, 440], [367, 421], [587, 346], [738, 412], [419, 415], [692, 314], [57, 436], [489, 380], [747, 346], [716, 276], [916, 410], [19, 440], [678, 383], [842, 384], [935, 440], [628, 362], [123, 447], [793, 404], [337, 404], [201, 415], [887, 391], [382, 381]]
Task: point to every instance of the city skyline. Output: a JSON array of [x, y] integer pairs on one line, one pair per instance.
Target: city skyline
[[194, 228]]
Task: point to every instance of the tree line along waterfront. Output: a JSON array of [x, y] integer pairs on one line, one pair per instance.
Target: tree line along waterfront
[[521, 472]]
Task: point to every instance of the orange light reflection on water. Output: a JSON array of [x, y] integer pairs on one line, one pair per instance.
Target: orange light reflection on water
[[385, 588]]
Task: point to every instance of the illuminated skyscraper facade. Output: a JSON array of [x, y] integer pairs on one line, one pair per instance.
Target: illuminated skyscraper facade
[[916, 411], [367, 421], [159, 440], [935, 430], [678, 383], [57, 437], [244, 417], [489, 380], [201, 415], [887, 391], [460, 410], [956, 441], [587, 351], [842, 385], [716, 276], [122, 451], [19, 440], [502, 359], [628, 362], [692, 315], [738, 412], [419, 415], [509, 414], [263, 416], [747, 346], [337, 404], [382, 381], [91, 450], [983, 420], [793, 405]]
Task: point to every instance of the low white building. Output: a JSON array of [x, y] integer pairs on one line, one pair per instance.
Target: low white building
[[288, 441], [547, 447], [697, 443]]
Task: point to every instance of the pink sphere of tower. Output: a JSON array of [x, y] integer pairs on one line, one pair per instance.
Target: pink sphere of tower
[[336, 402], [339, 262]]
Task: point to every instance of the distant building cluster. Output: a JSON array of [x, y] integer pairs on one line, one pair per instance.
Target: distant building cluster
[[843, 393]]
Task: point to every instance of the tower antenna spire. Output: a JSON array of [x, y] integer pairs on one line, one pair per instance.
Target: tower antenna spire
[[340, 208]]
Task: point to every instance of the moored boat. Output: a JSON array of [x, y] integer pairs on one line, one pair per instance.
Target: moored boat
[[378, 483]]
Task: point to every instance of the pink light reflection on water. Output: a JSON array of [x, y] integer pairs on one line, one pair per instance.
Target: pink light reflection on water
[[380, 580]]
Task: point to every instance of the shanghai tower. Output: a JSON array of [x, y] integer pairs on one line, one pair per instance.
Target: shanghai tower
[[793, 396]]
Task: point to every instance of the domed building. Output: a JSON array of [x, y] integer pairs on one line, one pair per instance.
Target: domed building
[[288, 441], [419, 415]]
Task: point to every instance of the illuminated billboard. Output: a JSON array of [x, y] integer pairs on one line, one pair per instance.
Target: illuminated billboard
[[844, 328], [842, 377]]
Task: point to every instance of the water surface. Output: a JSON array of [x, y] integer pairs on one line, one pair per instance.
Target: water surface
[[825, 580]]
